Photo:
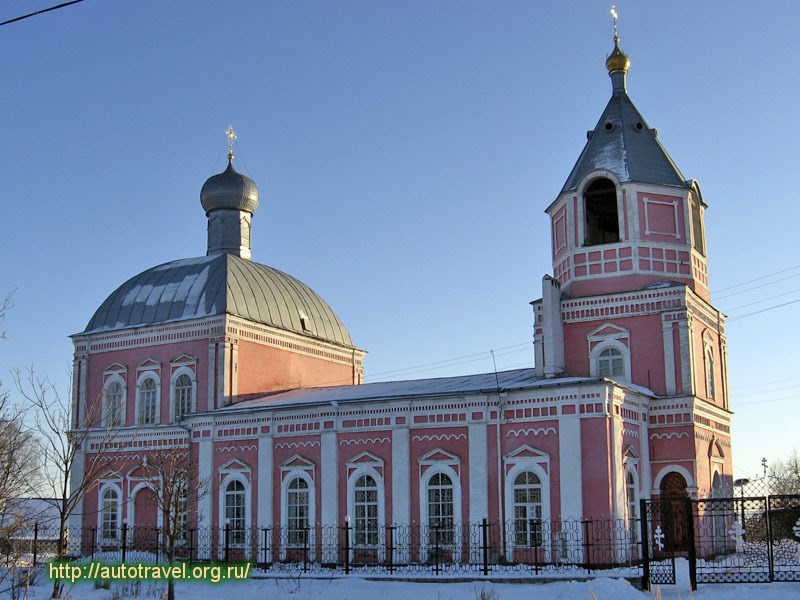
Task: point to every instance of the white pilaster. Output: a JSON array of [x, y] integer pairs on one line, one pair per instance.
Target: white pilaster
[[401, 490], [265, 483], [75, 521], [646, 473], [687, 366], [220, 378], [478, 473], [570, 468], [618, 507], [234, 366], [212, 371], [329, 501], [669, 356], [205, 470]]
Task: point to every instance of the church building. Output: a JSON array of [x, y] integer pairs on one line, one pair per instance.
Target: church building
[[250, 374]]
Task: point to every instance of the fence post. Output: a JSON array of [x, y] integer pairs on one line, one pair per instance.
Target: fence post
[[347, 546], [690, 542], [537, 542], [266, 544], [191, 546], [436, 548], [35, 541], [227, 541], [94, 539], [587, 546], [645, 541], [485, 545], [390, 548], [770, 541], [124, 539], [305, 548]]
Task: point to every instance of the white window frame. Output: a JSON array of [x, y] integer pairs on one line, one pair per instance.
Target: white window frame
[[531, 541], [223, 489], [594, 358], [448, 470], [121, 409], [351, 503], [289, 476], [108, 487], [173, 400], [139, 382], [539, 466]]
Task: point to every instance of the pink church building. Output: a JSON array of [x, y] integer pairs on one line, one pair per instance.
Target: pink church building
[[251, 373]]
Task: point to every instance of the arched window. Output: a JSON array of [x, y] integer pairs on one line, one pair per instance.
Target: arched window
[[183, 395], [610, 364], [235, 519], [601, 217], [113, 414], [297, 510], [109, 514], [527, 509], [441, 513], [632, 502], [365, 502], [148, 401], [709, 355]]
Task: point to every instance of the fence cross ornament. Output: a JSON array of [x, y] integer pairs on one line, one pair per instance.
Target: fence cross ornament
[[658, 537], [737, 532]]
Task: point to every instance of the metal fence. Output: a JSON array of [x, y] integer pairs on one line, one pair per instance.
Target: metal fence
[[529, 548], [755, 539]]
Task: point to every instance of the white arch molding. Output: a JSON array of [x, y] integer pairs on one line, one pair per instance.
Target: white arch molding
[[448, 470], [673, 469], [534, 466], [351, 483]]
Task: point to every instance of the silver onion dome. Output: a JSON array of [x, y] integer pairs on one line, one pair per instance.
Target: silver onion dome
[[229, 190]]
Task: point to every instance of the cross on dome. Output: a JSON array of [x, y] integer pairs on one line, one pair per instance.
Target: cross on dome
[[231, 135]]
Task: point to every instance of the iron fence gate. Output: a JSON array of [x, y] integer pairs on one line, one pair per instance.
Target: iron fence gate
[[751, 540], [657, 533]]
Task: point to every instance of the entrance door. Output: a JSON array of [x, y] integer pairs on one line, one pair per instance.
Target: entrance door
[[673, 511], [145, 527]]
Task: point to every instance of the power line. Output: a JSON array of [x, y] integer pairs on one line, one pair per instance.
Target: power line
[[451, 362], [765, 401], [764, 391], [756, 312], [744, 387], [39, 12], [730, 287], [761, 301]]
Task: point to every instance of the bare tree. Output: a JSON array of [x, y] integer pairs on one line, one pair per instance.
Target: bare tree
[[178, 484], [61, 442], [18, 468], [784, 475]]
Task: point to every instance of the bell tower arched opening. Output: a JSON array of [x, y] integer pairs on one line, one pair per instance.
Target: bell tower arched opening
[[601, 216]]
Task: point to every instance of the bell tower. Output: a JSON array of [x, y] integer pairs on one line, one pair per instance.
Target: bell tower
[[628, 299]]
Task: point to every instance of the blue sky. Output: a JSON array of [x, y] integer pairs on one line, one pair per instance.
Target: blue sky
[[405, 153]]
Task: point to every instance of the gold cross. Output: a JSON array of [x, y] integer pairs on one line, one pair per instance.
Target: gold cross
[[615, 17], [231, 135]]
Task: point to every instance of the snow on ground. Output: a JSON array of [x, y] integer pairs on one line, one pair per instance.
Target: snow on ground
[[352, 588]]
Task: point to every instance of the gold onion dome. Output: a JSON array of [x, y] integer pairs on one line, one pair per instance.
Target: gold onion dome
[[618, 60]]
